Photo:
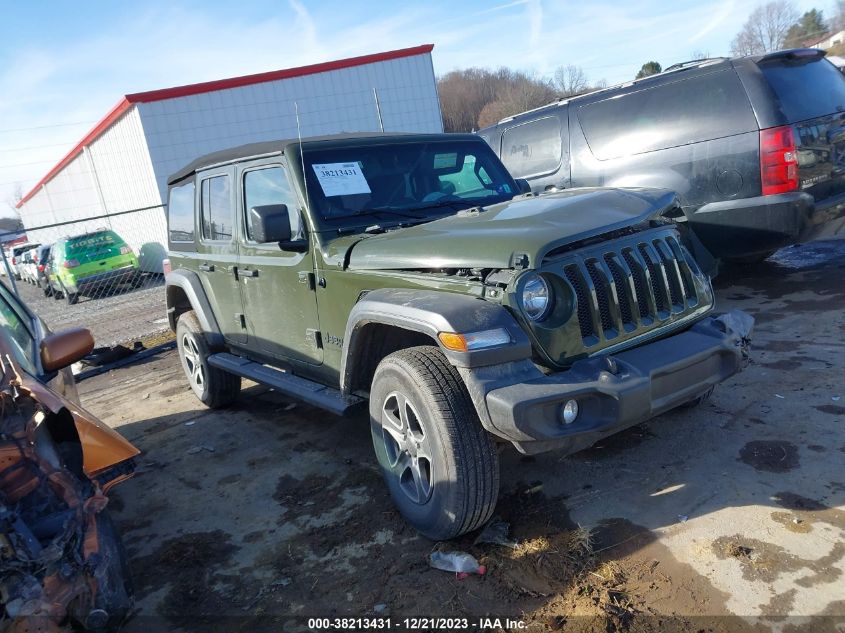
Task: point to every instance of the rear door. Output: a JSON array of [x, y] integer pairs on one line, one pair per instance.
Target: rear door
[[810, 94], [217, 250], [277, 286]]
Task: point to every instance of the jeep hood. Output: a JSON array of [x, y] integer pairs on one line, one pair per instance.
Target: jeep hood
[[526, 226]]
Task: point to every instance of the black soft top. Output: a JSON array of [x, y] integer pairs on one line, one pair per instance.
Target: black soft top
[[269, 148]]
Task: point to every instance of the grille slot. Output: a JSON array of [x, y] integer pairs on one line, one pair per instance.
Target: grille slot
[[585, 319], [602, 293], [620, 280]]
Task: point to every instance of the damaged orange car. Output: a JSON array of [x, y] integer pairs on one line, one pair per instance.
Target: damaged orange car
[[62, 563]]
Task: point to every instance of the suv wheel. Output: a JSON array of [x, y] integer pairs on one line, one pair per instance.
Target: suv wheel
[[214, 387], [440, 465]]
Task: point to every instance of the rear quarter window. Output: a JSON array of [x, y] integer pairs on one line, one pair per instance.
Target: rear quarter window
[[532, 148], [806, 90], [670, 115], [180, 213]]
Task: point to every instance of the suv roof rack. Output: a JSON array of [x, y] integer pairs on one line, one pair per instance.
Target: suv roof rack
[[695, 62]]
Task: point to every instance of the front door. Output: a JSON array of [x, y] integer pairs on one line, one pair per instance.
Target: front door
[[217, 250], [277, 286]]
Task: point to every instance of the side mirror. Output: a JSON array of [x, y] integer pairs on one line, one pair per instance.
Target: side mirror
[[65, 348], [523, 185], [270, 223]]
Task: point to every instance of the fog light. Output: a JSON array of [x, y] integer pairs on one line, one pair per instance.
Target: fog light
[[569, 411]]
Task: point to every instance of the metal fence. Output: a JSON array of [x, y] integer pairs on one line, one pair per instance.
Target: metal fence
[[103, 273]]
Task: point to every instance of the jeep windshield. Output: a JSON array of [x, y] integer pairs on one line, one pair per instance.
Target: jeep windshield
[[403, 182]]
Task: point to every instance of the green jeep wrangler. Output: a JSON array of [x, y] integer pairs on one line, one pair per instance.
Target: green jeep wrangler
[[411, 271]]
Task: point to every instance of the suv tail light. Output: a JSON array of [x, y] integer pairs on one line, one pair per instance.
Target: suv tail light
[[41, 268], [14, 261], [71, 263], [166, 266], [125, 250], [778, 160]]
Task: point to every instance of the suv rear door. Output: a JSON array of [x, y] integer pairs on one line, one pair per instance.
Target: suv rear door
[[277, 286], [217, 249], [809, 95]]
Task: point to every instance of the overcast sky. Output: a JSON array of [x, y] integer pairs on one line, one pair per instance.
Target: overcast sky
[[63, 65]]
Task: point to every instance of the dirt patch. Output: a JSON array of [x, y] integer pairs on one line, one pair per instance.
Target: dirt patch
[[832, 409], [196, 593], [786, 364], [765, 562], [774, 456]]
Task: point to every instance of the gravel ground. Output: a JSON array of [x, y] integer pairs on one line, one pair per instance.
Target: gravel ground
[[121, 316], [729, 516]]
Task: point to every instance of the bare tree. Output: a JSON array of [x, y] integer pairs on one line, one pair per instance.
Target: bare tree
[[699, 55], [464, 95], [570, 80], [766, 29]]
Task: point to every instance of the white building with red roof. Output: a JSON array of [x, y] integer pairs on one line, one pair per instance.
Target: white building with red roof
[[123, 162]]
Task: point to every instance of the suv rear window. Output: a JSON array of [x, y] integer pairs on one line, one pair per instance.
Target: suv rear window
[[806, 90], [84, 243], [670, 115]]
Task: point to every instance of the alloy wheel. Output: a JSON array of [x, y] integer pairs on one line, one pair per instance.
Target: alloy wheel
[[407, 447], [193, 362]]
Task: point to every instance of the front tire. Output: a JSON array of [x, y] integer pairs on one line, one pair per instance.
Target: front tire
[[439, 463], [214, 387]]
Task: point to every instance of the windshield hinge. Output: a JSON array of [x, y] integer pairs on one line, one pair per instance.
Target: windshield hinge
[[519, 261], [306, 278]]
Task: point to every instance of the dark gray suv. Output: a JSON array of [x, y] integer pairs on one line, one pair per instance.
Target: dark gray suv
[[755, 147]]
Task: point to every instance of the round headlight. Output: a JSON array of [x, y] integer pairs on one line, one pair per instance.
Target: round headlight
[[536, 298]]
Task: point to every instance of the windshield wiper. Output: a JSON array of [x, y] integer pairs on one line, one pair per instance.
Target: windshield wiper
[[458, 205], [377, 212]]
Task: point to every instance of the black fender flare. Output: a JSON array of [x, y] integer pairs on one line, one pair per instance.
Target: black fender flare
[[190, 285], [430, 312]]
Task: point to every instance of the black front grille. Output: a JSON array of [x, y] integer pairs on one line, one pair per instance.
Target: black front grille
[[622, 291]]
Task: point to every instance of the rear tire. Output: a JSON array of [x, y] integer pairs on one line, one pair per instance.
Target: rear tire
[[439, 463], [214, 387]]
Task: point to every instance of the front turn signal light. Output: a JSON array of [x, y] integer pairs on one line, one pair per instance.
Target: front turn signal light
[[475, 340]]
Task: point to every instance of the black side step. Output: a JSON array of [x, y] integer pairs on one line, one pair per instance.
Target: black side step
[[286, 383]]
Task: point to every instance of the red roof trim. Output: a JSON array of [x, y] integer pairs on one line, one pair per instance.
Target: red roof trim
[[106, 122], [275, 75], [209, 86]]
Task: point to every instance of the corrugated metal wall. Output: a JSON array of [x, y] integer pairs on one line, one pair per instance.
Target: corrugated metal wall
[[179, 130]]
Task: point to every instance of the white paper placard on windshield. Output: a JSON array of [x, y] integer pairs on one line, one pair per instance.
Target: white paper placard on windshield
[[341, 179]]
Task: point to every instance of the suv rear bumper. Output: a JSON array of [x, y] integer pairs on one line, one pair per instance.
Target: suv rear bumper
[[751, 226], [124, 275], [523, 406]]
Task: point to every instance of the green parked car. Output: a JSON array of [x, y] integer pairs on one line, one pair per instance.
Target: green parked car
[[91, 263]]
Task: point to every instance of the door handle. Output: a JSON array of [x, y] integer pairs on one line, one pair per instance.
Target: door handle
[[207, 268], [247, 273]]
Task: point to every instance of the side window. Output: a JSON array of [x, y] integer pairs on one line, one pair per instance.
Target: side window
[[533, 148], [270, 186], [12, 321], [686, 111], [216, 209], [180, 213]]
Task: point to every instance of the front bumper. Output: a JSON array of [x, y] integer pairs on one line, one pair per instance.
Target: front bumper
[[523, 406]]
